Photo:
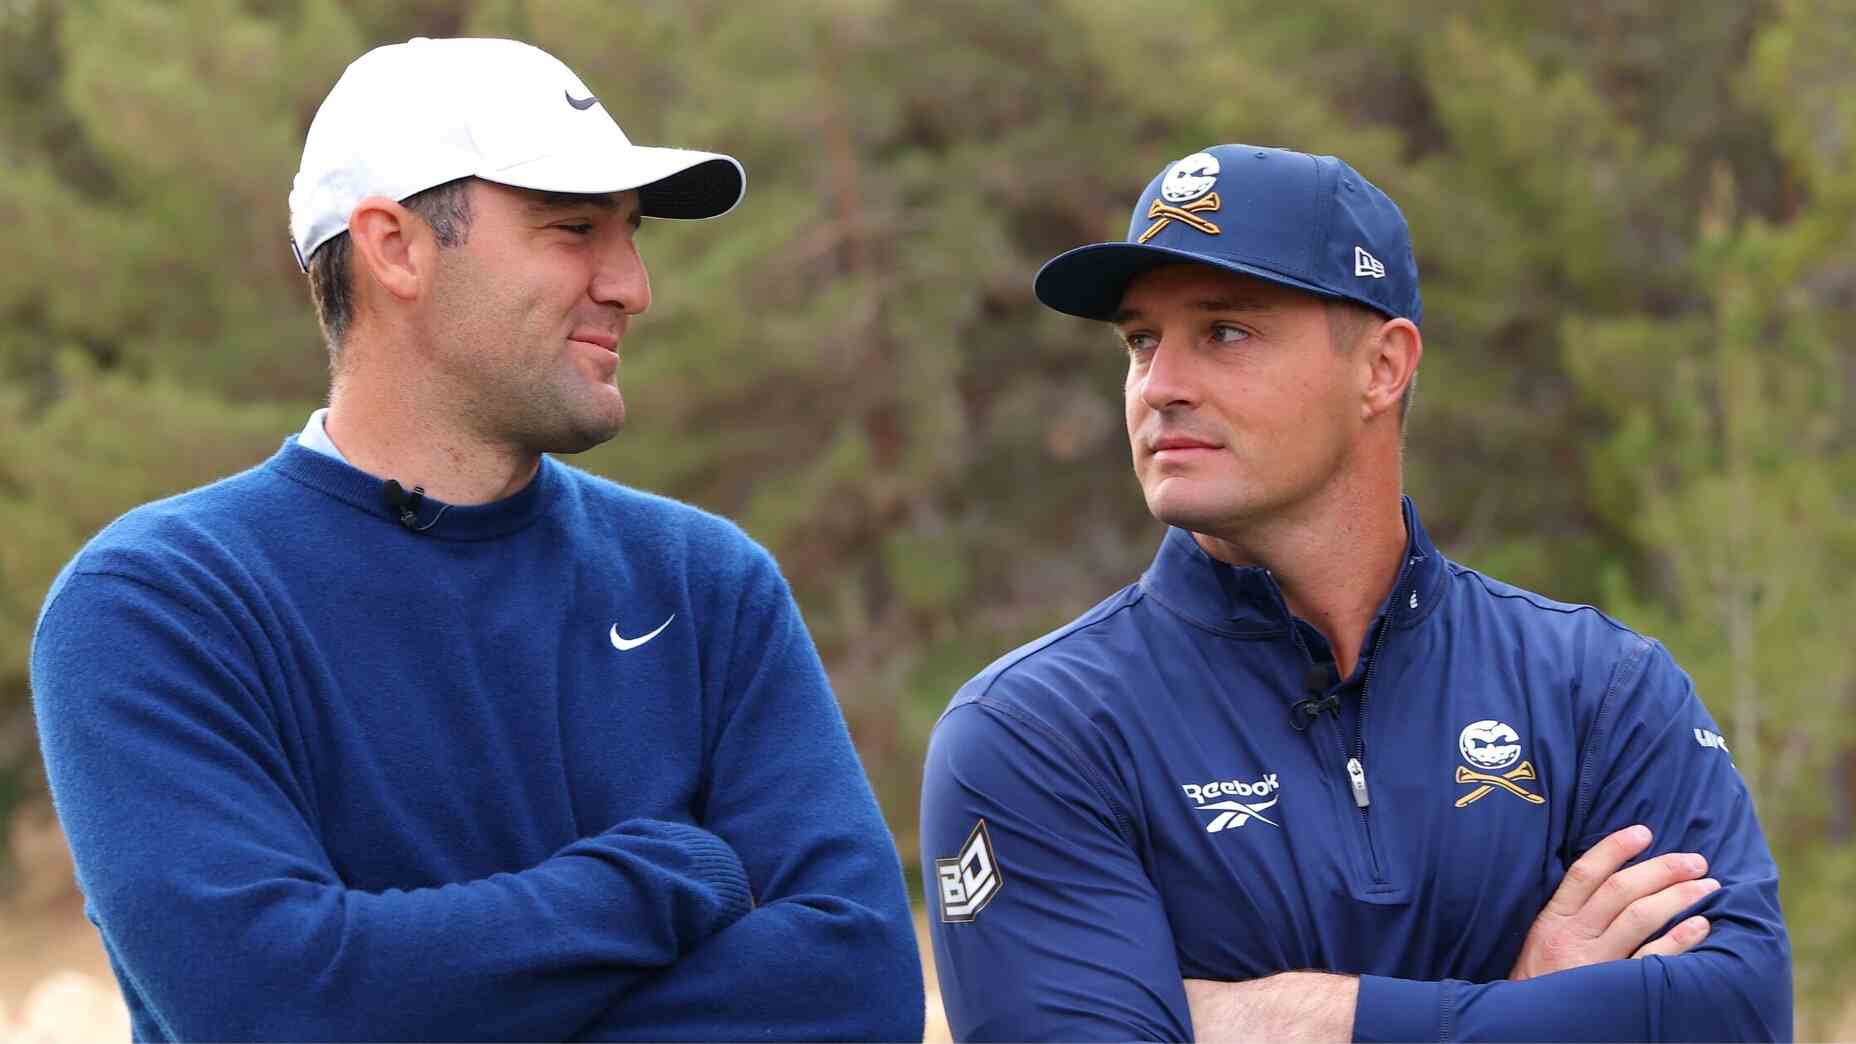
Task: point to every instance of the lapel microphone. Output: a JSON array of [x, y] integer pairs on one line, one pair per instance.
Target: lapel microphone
[[406, 505], [1316, 682]]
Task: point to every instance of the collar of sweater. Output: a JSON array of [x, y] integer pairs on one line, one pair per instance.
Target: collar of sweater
[[437, 519]]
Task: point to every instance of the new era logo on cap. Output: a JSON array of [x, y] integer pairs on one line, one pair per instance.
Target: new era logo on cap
[[1365, 264], [1289, 218]]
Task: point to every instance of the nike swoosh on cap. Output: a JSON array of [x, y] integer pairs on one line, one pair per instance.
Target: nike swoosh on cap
[[580, 103]]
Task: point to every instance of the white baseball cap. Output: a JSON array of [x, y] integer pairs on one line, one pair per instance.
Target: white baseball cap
[[407, 117]]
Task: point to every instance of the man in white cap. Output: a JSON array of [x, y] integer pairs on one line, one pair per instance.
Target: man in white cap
[[520, 753]]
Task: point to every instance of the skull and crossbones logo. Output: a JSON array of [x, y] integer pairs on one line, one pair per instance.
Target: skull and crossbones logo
[[1185, 193], [1493, 745]]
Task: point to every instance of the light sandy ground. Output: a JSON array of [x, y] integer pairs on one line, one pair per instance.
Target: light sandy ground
[[937, 1032], [55, 984]]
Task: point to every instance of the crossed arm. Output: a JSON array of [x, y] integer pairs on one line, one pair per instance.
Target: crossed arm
[[830, 952], [1602, 911], [226, 918]]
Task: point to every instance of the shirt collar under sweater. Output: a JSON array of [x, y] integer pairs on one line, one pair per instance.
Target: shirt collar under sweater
[[344, 482], [1244, 601], [315, 435]]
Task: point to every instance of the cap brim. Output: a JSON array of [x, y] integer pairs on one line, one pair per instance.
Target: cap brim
[[1089, 281], [671, 183]]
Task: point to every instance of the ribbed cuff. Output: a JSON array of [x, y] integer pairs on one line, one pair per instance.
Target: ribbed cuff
[[1403, 1010], [712, 861]]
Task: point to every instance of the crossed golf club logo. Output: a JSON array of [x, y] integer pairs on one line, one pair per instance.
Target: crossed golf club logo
[[1493, 745]]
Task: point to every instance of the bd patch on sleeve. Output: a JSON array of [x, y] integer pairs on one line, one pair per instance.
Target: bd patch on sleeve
[[968, 880]]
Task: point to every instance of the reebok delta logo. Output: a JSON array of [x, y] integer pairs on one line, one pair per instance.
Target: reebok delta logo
[[969, 880], [1234, 802]]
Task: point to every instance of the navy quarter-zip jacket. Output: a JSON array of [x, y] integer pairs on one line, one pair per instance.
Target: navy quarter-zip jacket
[[1127, 802]]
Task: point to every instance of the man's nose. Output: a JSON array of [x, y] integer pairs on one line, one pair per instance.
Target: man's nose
[[621, 279], [1169, 380]]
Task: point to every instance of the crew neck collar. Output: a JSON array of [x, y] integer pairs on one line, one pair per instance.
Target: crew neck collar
[[448, 522]]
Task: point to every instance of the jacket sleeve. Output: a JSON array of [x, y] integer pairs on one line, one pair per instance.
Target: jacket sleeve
[[203, 869], [830, 951], [1648, 759], [1045, 923]]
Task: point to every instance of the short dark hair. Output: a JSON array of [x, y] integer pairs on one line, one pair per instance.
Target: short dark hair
[[1347, 321], [446, 208]]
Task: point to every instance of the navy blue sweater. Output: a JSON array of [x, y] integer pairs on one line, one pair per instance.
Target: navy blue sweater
[[565, 766], [1128, 802]]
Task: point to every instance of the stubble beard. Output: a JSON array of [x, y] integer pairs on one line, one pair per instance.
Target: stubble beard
[[561, 414]]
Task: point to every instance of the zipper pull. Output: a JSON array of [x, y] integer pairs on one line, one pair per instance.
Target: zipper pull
[[1356, 776]]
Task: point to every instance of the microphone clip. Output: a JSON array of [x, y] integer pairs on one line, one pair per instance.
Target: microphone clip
[[1303, 712], [404, 504]]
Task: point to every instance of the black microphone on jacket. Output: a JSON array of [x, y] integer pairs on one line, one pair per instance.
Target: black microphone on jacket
[[402, 503], [1304, 712]]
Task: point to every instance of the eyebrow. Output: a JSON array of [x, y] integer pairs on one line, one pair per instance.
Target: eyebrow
[[1232, 303], [543, 203]]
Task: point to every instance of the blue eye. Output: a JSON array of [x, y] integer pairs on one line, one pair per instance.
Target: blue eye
[[1229, 333]]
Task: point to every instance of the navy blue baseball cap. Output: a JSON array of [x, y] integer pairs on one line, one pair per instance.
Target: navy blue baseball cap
[[1306, 222]]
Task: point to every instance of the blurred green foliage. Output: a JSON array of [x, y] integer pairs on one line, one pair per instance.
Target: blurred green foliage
[[1636, 221]]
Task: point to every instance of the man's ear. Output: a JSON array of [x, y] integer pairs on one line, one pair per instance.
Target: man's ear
[[393, 249], [1391, 351]]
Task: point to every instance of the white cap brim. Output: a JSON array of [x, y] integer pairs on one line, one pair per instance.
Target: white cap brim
[[671, 183]]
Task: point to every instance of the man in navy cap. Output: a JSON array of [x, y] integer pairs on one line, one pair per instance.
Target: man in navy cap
[[1307, 778]]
